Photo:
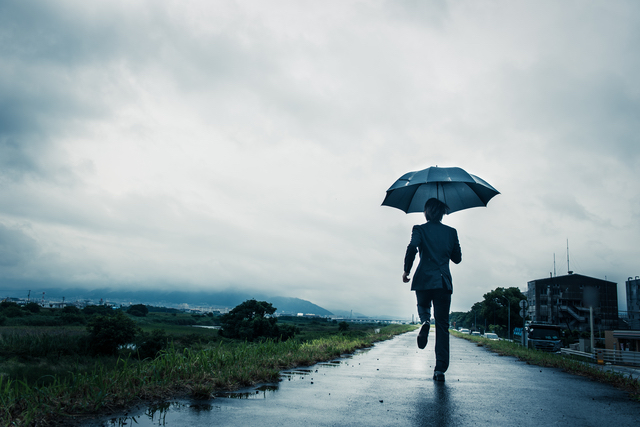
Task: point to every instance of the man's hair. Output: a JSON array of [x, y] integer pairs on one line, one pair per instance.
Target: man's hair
[[434, 210]]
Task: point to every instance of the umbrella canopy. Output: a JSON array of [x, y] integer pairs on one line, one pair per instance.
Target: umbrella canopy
[[453, 186]]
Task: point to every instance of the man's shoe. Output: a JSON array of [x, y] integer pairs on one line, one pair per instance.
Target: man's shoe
[[438, 376], [423, 335]]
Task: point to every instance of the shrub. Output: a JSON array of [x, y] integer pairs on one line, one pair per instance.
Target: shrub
[[149, 345], [71, 309], [287, 331], [138, 310], [253, 320], [135, 313], [90, 310], [5, 304], [13, 311], [108, 333], [73, 318], [32, 307]]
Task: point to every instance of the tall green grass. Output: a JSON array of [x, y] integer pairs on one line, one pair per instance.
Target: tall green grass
[[175, 371], [43, 343]]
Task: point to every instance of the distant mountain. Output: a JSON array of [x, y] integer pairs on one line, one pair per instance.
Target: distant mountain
[[162, 298], [297, 305]]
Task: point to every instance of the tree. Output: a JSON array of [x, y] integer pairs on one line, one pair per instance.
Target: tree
[[149, 345], [253, 320], [13, 311], [71, 309], [492, 310], [32, 307], [97, 309], [5, 304], [108, 333], [343, 326], [72, 315], [10, 309], [457, 319], [138, 310], [497, 304]]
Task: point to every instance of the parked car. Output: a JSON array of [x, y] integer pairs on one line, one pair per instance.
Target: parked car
[[491, 336], [464, 331], [476, 333]]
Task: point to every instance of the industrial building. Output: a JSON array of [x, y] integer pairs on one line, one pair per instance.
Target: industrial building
[[633, 303], [566, 301]]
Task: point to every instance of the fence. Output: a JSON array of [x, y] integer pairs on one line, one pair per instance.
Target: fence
[[617, 357], [567, 351], [605, 356]]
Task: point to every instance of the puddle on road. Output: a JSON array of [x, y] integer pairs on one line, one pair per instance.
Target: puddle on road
[[258, 393], [156, 415]]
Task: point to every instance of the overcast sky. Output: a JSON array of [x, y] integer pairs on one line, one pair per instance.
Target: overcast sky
[[249, 144]]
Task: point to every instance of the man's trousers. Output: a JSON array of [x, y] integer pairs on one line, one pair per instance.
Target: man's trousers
[[441, 299]]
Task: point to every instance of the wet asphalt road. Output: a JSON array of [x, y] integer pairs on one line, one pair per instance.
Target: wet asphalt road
[[390, 385]]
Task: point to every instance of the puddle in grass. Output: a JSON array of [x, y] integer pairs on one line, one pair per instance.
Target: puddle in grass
[[171, 413]]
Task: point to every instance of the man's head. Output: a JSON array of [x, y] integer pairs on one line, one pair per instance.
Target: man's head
[[434, 210]]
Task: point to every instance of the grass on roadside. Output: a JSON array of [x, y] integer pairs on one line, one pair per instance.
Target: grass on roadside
[[553, 360], [196, 372]]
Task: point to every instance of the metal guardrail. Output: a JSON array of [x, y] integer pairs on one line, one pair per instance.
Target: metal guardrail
[[570, 352], [617, 357], [605, 356]]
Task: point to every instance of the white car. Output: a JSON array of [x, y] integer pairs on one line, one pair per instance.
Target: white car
[[492, 336], [476, 333], [464, 331]]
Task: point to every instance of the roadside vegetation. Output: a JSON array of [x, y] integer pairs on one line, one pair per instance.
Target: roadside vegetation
[[553, 360], [495, 310], [58, 365]]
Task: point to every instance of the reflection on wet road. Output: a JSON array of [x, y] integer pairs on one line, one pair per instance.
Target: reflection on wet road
[[390, 384]]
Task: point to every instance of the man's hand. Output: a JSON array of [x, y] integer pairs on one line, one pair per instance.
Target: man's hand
[[405, 277]]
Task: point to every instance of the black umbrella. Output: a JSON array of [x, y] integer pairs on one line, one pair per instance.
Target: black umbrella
[[453, 186]]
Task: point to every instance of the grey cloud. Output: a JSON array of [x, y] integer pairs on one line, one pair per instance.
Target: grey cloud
[[419, 12], [518, 94], [599, 114], [566, 204], [16, 247], [577, 90], [41, 95]]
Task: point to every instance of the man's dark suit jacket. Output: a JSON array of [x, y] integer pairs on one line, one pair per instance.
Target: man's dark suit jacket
[[437, 244]]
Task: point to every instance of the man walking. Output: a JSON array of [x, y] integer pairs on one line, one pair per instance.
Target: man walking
[[432, 282]]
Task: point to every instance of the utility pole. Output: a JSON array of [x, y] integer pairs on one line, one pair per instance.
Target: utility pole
[[508, 317], [591, 327], [523, 313]]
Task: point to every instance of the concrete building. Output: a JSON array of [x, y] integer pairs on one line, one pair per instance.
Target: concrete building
[[565, 301], [633, 303]]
